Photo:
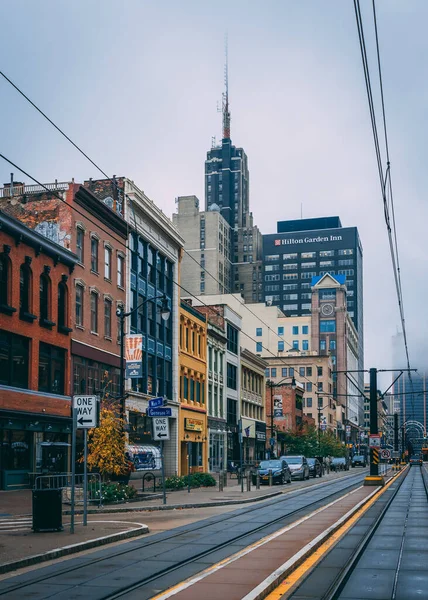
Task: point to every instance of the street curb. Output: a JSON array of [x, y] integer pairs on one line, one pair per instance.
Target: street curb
[[72, 549], [92, 511]]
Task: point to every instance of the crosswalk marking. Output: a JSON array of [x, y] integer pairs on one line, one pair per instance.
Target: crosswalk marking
[[15, 523]]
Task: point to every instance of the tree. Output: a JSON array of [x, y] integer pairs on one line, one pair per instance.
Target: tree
[[306, 442]]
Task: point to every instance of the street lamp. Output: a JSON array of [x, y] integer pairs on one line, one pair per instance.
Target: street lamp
[[272, 384], [165, 313]]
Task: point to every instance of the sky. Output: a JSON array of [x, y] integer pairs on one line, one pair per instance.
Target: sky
[[136, 85]]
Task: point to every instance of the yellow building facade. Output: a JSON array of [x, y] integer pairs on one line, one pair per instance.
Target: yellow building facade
[[193, 431]]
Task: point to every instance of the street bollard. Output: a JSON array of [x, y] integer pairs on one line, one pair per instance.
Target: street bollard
[[270, 477], [249, 481], [224, 479], [220, 481], [258, 481]]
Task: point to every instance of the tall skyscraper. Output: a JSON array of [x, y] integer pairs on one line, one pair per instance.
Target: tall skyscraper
[[227, 191]]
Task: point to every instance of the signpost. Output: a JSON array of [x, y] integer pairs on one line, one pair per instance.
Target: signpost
[[160, 430], [85, 416], [385, 454]]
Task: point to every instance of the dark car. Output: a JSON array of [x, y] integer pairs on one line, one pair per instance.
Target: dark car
[[358, 461], [415, 461], [315, 468], [279, 468], [298, 466], [339, 464]]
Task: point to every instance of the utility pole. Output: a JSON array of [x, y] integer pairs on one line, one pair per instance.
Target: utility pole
[[374, 478], [396, 453]]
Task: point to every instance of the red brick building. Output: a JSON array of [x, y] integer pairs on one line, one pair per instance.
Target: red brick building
[[287, 405], [35, 318]]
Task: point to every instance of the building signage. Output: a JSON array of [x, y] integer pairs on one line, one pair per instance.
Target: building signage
[[348, 431], [159, 412], [260, 431], [308, 240], [87, 408], [277, 406], [193, 424], [156, 402], [134, 356], [248, 428]]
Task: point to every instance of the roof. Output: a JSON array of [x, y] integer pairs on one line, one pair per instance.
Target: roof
[[340, 279]]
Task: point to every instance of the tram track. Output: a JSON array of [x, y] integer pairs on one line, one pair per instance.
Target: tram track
[[294, 505]]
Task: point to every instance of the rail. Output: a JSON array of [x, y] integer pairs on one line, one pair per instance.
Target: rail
[[63, 481], [20, 189]]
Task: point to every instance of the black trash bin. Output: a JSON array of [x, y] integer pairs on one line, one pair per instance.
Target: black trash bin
[[47, 510]]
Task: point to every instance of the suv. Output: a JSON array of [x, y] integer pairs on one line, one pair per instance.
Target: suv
[[358, 460], [298, 466], [415, 460], [280, 472], [315, 467], [339, 464]]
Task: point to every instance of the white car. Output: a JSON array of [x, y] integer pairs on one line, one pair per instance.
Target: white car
[[298, 466]]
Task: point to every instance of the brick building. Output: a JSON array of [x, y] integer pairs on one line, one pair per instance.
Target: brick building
[[285, 400], [35, 344]]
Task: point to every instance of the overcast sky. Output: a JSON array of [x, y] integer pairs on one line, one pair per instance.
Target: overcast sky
[[136, 85]]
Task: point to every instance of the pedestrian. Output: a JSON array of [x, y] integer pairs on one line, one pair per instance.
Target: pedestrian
[[327, 464]]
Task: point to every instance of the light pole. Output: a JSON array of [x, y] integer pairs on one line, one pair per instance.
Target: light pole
[[165, 312]]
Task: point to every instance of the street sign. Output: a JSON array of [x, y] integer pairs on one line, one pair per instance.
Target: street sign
[[155, 402], [395, 454], [160, 428], [159, 412], [87, 411], [385, 453], [374, 440], [323, 426]]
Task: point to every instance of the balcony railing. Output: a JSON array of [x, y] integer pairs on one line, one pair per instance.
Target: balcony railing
[[19, 190]]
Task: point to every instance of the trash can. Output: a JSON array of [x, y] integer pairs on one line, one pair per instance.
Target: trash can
[[47, 510]]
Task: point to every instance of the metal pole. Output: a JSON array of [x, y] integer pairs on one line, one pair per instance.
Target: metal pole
[[396, 460], [319, 429], [374, 468], [163, 473], [271, 420], [73, 467], [121, 372], [85, 477], [240, 455], [188, 466], [403, 443]]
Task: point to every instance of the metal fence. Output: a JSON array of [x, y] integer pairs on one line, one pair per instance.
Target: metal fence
[[63, 481]]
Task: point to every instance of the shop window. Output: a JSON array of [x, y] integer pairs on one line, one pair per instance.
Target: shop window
[[13, 360], [51, 369], [16, 450]]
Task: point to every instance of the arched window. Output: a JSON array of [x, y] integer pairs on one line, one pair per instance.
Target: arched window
[[25, 278], [4, 280], [62, 306], [45, 301]]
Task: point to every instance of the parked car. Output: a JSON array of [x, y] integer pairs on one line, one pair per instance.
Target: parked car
[[339, 464], [315, 467], [415, 461], [298, 466], [359, 460], [280, 472]]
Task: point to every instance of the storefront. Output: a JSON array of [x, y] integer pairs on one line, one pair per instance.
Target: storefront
[[31, 445], [248, 440], [217, 436], [260, 440], [193, 441]]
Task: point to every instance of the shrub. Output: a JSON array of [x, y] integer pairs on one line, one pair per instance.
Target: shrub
[[113, 492], [196, 480], [175, 482]]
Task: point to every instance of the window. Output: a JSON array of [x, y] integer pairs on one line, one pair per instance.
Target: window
[[280, 330], [13, 360], [323, 345], [94, 254], [271, 257], [289, 276], [328, 326], [346, 262], [320, 385], [305, 286], [332, 344], [120, 271], [259, 346], [291, 372], [62, 306], [290, 296], [308, 371], [269, 267], [290, 286], [305, 344], [346, 252], [319, 371], [94, 312], [284, 372], [295, 344], [107, 262], [80, 235], [232, 339], [301, 371], [308, 275], [309, 402], [306, 306], [309, 265], [44, 297], [309, 386], [107, 317], [290, 307], [271, 277], [327, 263], [295, 330], [290, 267], [325, 253], [273, 372], [231, 376], [51, 369], [347, 272], [327, 294], [281, 346], [259, 331], [305, 329], [289, 256], [24, 289], [267, 372], [308, 255], [79, 305]]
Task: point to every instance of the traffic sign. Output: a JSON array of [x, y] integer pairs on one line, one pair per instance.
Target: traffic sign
[[374, 440], [87, 411], [160, 428], [155, 402], [159, 412], [385, 453], [395, 454]]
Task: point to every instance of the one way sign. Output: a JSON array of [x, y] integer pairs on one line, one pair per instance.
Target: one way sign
[[160, 428], [87, 411]]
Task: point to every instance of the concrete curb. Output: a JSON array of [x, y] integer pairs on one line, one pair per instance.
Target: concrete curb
[[72, 549]]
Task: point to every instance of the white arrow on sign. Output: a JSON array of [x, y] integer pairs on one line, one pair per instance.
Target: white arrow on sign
[[87, 411], [160, 428]]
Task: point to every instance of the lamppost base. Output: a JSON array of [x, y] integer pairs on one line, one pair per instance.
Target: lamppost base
[[374, 480]]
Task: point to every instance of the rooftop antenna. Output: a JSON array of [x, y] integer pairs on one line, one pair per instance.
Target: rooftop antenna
[[226, 112]]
